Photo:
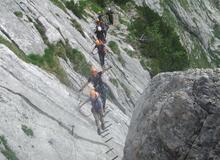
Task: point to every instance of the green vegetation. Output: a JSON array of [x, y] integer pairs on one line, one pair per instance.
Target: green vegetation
[[114, 47], [101, 3], [217, 30], [198, 59], [59, 4], [184, 4], [6, 150], [50, 62], [104, 3], [42, 30], [130, 52], [18, 14], [169, 17], [150, 64], [94, 7], [14, 48], [216, 3], [162, 47], [76, 8], [78, 60], [120, 2], [114, 82], [79, 8], [123, 21], [27, 131], [78, 27]]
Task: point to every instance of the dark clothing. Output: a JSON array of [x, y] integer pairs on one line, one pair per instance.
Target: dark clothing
[[97, 80], [99, 86], [101, 48], [97, 110], [101, 52], [105, 28], [96, 104], [100, 35], [100, 17], [110, 17], [102, 58]]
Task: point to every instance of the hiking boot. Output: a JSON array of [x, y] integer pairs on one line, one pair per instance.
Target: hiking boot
[[99, 131], [103, 126]]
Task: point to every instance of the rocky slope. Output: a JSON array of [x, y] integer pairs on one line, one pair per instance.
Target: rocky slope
[[177, 118], [39, 115], [198, 24]]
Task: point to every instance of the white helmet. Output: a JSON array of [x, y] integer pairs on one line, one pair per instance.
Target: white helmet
[[99, 28], [109, 9]]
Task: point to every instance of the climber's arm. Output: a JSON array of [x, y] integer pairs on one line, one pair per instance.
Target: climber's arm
[[82, 104], [84, 86]]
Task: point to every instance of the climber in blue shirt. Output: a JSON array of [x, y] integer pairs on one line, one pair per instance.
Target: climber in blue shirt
[[97, 109], [99, 85]]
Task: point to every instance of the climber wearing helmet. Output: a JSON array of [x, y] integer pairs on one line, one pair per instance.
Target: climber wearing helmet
[[97, 109], [100, 33], [99, 85], [101, 51], [100, 15], [98, 22], [103, 25], [110, 15]]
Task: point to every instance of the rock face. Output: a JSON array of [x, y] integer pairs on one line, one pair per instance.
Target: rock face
[[178, 117], [29, 96], [58, 25], [198, 24], [34, 99]]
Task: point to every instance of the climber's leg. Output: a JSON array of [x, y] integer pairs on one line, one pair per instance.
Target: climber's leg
[[96, 116], [101, 118], [101, 58]]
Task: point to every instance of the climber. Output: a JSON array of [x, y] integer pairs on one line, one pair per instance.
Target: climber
[[105, 28], [99, 85], [110, 15], [100, 33], [100, 15], [101, 51], [97, 109], [98, 22]]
